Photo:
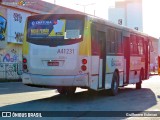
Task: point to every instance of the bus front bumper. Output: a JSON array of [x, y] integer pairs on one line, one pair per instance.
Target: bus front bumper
[[53, 81]]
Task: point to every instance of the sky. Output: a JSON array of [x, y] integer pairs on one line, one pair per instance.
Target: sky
[[151, 11]]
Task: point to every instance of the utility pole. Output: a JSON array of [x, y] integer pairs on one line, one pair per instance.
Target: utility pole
[[84, 7]]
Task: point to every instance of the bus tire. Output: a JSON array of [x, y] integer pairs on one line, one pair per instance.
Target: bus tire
[[139, 84], [114, 84], [66, 90], [70, 90], [61, 90]]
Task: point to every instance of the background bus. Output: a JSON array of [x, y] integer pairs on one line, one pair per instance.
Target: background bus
[[65, 51]]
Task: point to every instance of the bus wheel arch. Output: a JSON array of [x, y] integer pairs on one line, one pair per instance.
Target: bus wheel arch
[[115, 83]]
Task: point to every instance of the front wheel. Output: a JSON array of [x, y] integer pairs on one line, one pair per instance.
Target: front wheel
[[114, 85], [139, 84], [141, 77]]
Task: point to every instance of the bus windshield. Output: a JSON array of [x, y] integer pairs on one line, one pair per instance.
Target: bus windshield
[[55, 31], [3, 23]]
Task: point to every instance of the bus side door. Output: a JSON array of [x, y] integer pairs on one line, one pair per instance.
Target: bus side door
[[99, 50], [126, 46], [102, 64]]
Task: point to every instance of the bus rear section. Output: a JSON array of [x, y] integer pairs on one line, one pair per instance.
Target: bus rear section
[[51, 52]]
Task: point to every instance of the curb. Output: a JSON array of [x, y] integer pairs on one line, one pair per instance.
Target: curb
[[10, 80]]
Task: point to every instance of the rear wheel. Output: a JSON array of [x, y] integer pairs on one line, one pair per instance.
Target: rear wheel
[[61, 90], [66, 90], [70, 90], [114, 85]]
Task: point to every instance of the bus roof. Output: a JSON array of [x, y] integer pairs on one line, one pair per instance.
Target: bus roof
[[123, 28], [99, 20]]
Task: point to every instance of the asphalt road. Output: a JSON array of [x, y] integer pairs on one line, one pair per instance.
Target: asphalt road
[[14, 96]]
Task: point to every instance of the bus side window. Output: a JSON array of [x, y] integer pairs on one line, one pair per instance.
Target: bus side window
[[112, 41], [101, 43], [133, 45], [116, 42], [145, 45], [95, 46], [98, 40], [108, 46], [140, 45], [119, 42], [151, 46]]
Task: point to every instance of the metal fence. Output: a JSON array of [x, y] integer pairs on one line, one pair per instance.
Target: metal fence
[[10, 71]]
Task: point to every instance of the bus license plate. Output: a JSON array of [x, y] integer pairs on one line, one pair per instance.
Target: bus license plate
[[53, 63]]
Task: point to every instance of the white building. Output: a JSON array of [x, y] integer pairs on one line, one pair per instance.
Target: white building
[[127, 13]]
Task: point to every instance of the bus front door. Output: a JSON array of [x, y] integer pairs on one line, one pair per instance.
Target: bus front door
[[126, 59]]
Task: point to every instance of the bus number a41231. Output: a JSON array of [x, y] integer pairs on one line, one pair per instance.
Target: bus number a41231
[[65, 51]]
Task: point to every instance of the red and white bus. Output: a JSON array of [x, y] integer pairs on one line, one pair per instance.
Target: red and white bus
[[65, 51]]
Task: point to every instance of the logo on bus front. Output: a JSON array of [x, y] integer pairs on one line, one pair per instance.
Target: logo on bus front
[[46, 22]]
